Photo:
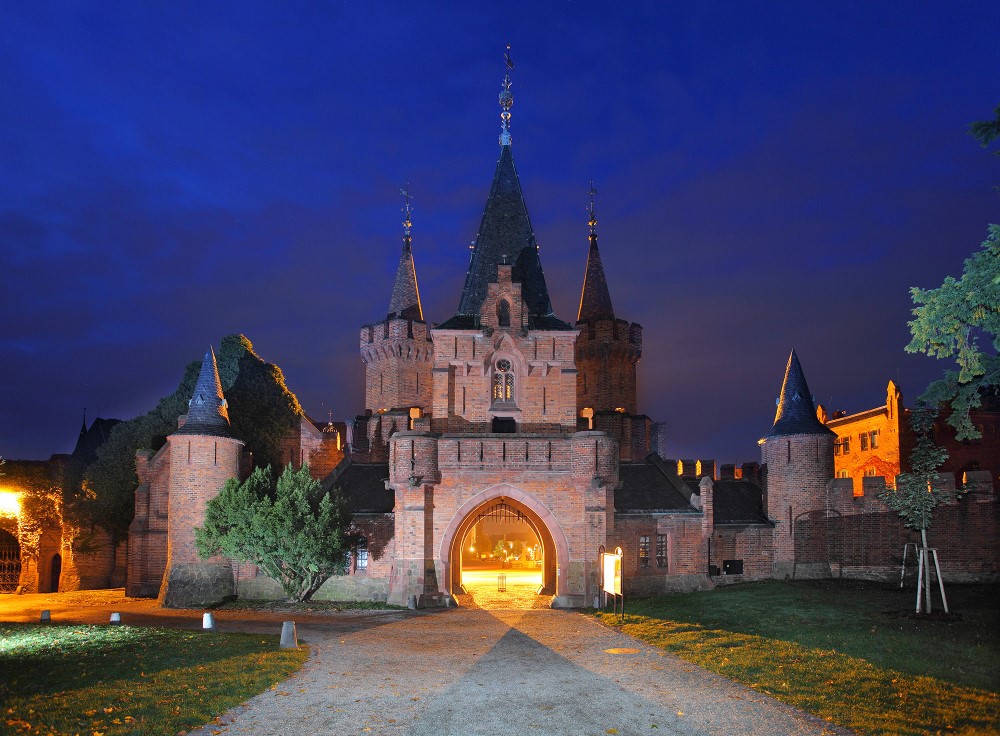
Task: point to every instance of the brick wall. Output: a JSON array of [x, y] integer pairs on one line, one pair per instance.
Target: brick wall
[[798, 469]]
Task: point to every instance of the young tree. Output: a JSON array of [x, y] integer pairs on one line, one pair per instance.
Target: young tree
[[917, 492], [292, 530], [949, 323]]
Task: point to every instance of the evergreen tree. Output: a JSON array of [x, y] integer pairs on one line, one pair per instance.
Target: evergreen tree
[[292, 530]]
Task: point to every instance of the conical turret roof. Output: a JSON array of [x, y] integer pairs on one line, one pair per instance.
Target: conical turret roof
[[405, 301], [595, 299], [796, 412], [207, 410]]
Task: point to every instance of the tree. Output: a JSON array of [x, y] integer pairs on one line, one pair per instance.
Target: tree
[[987, 131], [292, 530], [261, 408], [949, 323], [918, 493]]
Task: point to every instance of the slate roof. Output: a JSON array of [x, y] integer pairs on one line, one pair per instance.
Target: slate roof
[[363, 486], [505, 235], [738, 502], [595, 299], [651, 486], [796, 412], [405, 300], [207, 412]]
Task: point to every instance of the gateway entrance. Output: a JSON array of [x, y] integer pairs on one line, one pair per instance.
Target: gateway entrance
[[506, 557]]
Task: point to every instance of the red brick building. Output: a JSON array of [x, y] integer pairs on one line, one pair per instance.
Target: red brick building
[[506, 418]]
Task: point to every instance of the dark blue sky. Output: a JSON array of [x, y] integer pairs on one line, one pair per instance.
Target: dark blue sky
[[770, 176]]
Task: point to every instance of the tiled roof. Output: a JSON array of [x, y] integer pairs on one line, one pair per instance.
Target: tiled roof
[[796, 412], [363, 484], [650, 486], [207, 412]]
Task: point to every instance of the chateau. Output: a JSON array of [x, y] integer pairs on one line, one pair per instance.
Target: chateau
[[505, 420]]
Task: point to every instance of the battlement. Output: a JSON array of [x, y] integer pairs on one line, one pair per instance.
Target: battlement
[[392, 329], [611, 331]]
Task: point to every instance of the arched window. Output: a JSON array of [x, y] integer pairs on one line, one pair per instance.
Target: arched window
[[503, 313], [503, 382]]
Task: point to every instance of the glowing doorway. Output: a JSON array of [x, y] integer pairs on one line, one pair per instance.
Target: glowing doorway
[[502, 540]]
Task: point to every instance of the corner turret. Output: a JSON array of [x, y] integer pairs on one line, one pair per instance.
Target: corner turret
[[607, 352], [798, 455], [397, 351], [203, 454]]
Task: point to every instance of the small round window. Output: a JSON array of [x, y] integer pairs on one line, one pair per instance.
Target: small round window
[[503, 365]]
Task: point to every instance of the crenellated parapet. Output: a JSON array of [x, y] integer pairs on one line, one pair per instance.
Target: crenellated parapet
[[398, 355]]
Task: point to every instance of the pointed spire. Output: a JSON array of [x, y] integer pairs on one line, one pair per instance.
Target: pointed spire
[[796, 412], [405, 300], [208, 412], [83, 429], [595, 299]]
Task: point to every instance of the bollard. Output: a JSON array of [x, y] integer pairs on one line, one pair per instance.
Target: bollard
[[289, 639], [46, 617], [116, 618], [412, 603], [208, 622]]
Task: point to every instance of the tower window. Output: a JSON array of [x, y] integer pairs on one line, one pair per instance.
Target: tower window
[[503, 382], [503, 313]]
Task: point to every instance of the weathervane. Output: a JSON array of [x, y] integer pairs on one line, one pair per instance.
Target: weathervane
[[407, 224], [506, 100], [593, 211]]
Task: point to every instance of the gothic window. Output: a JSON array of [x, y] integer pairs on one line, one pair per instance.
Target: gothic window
[[503, 382], [503, 313]]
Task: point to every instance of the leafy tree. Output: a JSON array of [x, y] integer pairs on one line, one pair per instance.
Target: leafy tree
[[292, 530], [106, 496], [261, 408], [987, 131], [949, 323], [917, 492]]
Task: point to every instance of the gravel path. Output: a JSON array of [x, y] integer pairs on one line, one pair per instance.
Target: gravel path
[[492, 672], [461, 671]]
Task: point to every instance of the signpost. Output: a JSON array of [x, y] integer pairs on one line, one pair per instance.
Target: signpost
[[612, 578]]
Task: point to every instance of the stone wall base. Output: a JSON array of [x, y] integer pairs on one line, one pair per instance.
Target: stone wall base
[[197, 585]]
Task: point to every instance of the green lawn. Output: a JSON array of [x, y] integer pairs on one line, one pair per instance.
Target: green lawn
[[113, 680], [848, 651]]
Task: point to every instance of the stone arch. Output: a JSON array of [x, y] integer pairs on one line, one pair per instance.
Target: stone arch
[[545, 525], [10, 561]]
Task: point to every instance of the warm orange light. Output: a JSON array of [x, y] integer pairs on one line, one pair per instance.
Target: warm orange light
[[10, 503]]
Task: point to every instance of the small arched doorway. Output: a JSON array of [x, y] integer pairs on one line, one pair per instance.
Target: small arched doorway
[[55, 570], [473, 547], [10, 562]]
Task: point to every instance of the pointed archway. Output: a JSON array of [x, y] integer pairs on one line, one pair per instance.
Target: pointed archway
[[554, 550]]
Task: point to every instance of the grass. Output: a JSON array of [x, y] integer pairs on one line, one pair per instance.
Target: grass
[[849, 652], [111, 680]]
